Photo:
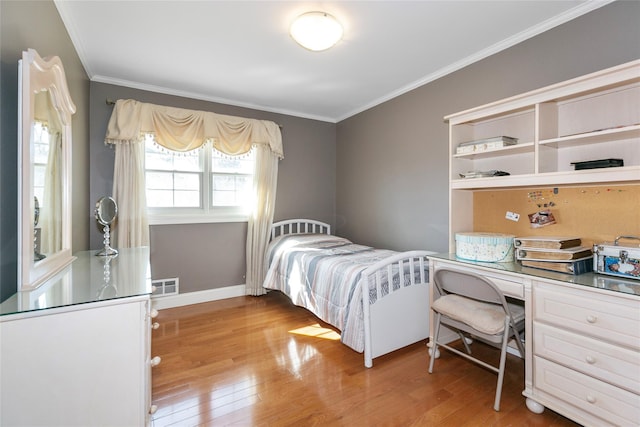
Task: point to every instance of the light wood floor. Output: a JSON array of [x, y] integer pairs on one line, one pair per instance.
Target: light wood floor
[[261, 361]]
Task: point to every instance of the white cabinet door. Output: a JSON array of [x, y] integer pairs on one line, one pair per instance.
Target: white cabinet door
[[81, 367]]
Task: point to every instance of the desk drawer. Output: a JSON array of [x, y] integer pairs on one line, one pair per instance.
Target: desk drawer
[[603, 400], [616, 365], [509, 285], [612, 318]]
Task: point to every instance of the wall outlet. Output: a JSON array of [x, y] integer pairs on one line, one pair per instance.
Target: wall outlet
[[512, 216]]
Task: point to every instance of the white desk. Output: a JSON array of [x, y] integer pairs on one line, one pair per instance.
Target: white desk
[[582, 339]]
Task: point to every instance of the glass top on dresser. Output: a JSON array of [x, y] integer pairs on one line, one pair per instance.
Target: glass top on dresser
[[89, 278], [600, 281]]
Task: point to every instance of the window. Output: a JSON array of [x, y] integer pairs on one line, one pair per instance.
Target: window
[[200, 186], [40, 158]]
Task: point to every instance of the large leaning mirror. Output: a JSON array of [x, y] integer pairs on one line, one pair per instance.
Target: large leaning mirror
[[44, 210]]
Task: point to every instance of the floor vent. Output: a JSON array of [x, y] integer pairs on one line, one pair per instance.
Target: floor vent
[[165, 287]]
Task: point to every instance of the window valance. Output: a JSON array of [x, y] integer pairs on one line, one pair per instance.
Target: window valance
[[184, 130]]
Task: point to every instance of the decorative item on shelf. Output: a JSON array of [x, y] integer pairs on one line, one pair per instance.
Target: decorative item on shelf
[[616, 260], [485, 247], [597, 164], [480, 174], [105, 213], [485, 144]]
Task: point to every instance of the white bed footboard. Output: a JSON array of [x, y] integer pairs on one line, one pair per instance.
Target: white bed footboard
[[398, 316]]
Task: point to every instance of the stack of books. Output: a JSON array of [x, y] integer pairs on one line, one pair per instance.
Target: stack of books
[[562, 254]]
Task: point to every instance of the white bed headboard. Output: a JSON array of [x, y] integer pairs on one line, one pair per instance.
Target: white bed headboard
[[299, 226]]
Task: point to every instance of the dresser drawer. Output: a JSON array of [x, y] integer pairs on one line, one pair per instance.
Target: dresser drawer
[[603, 400], [596, 314], [616, 365]]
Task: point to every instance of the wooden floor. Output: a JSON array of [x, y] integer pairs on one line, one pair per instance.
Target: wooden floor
[[260, 361]]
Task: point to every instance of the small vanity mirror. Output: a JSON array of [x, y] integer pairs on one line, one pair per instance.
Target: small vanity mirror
[[44, 136], [106, 212]]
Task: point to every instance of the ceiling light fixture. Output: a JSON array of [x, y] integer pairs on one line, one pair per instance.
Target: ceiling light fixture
[[316, 31]]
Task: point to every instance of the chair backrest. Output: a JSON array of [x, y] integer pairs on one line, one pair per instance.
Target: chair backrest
[[468, 285]]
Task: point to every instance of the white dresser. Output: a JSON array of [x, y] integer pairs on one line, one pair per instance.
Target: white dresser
[[586, 353], [582, 340], [77, 350]]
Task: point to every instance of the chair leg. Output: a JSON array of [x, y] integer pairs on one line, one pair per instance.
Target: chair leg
[[503, 359], [434, 345], [465, 341]]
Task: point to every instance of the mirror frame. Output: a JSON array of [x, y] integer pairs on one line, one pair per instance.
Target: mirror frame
[[35, 75]]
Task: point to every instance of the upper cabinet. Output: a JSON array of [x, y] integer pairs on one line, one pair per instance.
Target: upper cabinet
[[592, 117]]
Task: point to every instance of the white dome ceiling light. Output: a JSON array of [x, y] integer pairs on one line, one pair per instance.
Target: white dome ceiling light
[[316, 31]]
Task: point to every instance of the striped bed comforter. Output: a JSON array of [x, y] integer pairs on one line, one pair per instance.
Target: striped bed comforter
[[322, 273]]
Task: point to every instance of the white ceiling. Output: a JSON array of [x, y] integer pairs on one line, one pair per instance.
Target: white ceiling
[[240, 53]]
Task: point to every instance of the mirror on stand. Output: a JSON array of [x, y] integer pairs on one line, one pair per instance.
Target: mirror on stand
[[106, 212]]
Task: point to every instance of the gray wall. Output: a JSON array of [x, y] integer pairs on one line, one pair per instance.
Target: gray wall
[[209, 256], [383, 171], [37, 25], [392, 165]]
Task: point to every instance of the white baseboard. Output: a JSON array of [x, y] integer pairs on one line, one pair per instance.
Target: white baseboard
[[198, 297]]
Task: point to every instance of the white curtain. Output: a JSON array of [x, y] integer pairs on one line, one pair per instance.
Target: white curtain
[[258, 231], [183, 130], [129, 193], [51, 209]]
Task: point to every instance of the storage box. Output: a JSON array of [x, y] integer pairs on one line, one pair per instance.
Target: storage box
[[616, 260], [486, 247], [486, 144]]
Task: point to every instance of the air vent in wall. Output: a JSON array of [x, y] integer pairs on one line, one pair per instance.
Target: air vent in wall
[[165, 287]]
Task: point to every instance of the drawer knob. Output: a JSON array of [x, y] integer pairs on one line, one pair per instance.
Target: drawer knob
[[592, 319], [591, 399], [155, 325], [590, 360], [154, 313], [153, 409], [156, 361]]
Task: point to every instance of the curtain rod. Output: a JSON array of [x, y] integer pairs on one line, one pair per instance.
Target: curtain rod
[[111, 102]]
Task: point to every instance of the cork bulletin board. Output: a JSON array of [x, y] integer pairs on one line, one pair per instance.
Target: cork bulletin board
[[595, 213]]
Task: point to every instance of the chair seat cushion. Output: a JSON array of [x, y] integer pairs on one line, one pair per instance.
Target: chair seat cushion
[[482, 316]]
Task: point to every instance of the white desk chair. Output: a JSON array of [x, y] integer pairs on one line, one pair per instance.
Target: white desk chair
[[472, 304]]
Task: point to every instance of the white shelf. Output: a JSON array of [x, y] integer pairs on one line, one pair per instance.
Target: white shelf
[[556, 125], [527, 147], [608, 100], [587, 176], [596, 137]]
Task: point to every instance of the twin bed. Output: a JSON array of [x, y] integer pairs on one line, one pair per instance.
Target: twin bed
[[377, 298]]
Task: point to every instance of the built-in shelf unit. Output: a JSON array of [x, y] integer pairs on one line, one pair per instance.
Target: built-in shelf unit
[[593, 117]]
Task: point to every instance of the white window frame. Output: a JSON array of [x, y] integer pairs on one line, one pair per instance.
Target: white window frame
[[205, 213]]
